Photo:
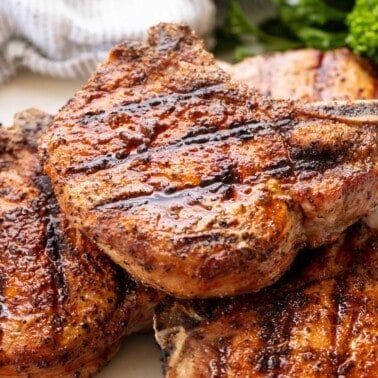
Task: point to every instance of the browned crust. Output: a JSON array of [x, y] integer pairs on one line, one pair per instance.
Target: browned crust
[[195, 184], [320, 320], [64, 306]]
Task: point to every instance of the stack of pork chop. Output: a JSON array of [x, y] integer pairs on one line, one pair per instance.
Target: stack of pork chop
[[200, 187]]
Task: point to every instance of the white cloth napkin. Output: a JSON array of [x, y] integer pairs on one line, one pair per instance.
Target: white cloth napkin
[[68, 38]]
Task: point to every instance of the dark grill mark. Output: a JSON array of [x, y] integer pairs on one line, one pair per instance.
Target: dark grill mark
[[320, 163], [54, 247], [55, 242], [95, 165], [197, 130], [226, 176], [319, 77], [190, 195], [166, 102], [247, 131], [279, 169], [315, 157]]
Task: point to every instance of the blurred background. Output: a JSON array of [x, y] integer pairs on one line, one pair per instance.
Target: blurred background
[[49, 48]]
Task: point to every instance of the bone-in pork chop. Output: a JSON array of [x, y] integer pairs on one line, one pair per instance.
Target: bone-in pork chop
[[309, 75], [321, 320], [64, 306], [194, 183]]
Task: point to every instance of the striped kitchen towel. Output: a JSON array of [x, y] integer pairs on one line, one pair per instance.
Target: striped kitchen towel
[[68, 38]]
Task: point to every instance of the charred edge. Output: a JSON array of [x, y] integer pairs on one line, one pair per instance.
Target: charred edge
[[43, 183], [53, 245], [33, 128], [162, 309], [211, 309], [303, 260], [165, 37]]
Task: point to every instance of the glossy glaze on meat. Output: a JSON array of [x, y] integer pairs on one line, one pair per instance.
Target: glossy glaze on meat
[[64, 306], [321, 320], [309, 75], [195, 184]]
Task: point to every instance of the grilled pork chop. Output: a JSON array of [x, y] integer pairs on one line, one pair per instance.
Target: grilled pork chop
[[321, 320], [198, 337], [309, 75], [64, 306], [195, 184]]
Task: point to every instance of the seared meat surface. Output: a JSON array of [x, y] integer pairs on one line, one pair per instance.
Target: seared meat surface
[[309, 75], [320, 320], [64, 306], [194, 183]]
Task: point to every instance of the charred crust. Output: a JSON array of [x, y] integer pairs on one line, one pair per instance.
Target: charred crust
[[69, 270], [181, 166]]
